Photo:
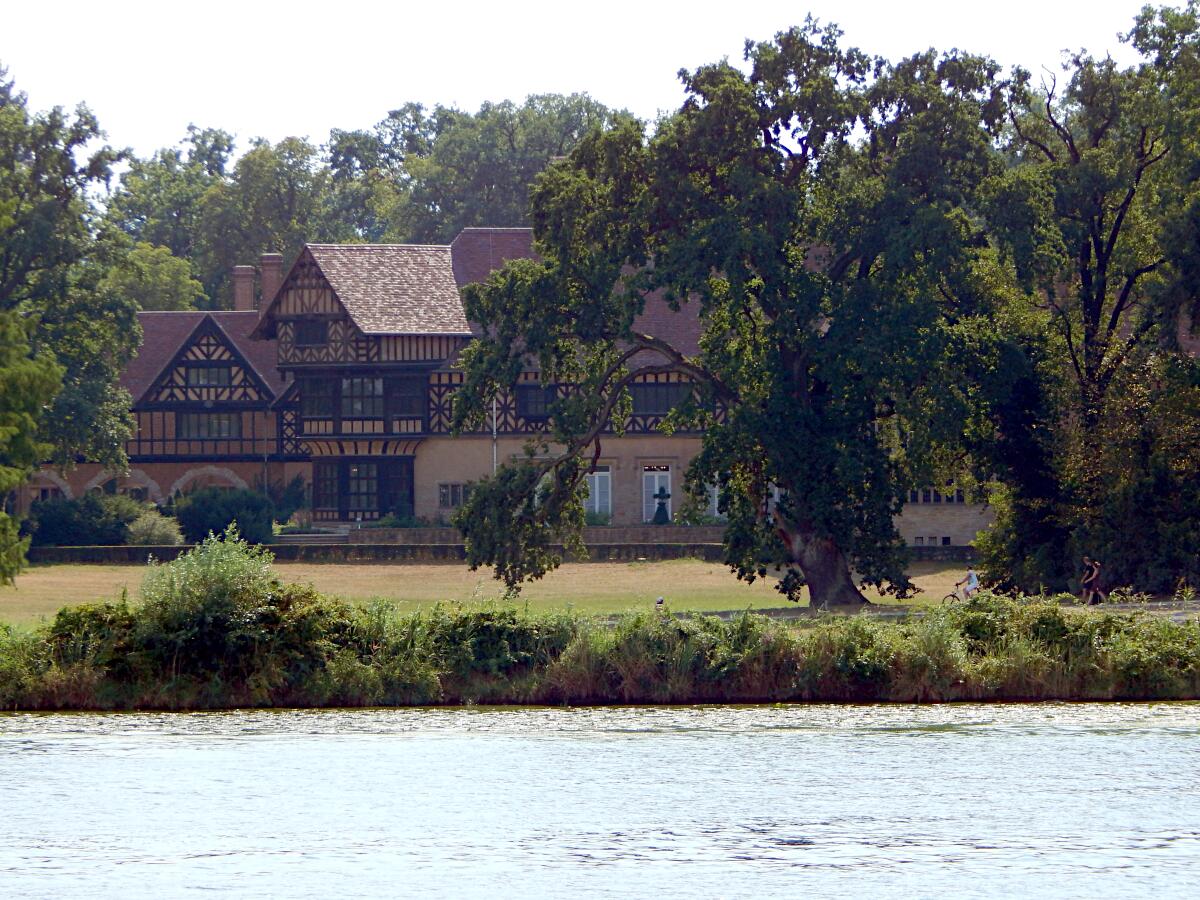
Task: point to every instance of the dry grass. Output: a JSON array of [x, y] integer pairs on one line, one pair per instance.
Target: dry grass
[[687, 584]]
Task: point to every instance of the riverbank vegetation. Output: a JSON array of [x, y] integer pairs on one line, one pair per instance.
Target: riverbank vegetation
[[217, 629]]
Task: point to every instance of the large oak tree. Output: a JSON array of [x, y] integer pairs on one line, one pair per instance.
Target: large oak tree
[[815, 210]]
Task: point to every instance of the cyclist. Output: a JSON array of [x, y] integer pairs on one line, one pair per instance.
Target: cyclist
[[971, 583]]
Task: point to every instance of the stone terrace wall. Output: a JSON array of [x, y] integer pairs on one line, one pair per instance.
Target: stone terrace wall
[[608, 534]]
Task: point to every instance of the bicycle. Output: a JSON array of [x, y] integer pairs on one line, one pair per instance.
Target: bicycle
[[958, 595]]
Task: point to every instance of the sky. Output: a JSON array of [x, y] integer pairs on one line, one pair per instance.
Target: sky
[[259, 69]]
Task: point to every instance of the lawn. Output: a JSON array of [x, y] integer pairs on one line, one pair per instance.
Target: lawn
[[603, 587]]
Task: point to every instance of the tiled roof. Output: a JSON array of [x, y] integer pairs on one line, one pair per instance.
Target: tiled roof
[[478, 252], [164, 334], [394, 288]]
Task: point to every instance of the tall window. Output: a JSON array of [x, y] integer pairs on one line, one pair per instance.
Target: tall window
[[362, 487], [407, 395], [599, 496], [534, 400], [316, 398], [209, 376], [325, 485], [312, 333], [654, 479], [452, 495], [362, 398], [658, 399], [199, 426]]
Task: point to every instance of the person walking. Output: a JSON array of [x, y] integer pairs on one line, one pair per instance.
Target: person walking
[[1092, 583]]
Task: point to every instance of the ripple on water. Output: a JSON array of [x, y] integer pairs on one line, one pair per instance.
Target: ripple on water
[[962, 799]]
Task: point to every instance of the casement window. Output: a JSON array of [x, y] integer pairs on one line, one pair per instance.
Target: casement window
[[945, 542], [362, 487], [407, 396], [654, 479], [209, 376], [325, 485], [202, 426], [362, 398], [918, 542], [317, 398], [453, 495], [658, 399], [534, 401], [599, 491], [312, 333]]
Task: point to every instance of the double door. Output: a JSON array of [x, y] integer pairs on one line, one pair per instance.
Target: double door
[[366, 489]]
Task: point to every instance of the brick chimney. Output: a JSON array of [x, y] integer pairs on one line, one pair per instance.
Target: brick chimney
[[243, 287], [271, 267]]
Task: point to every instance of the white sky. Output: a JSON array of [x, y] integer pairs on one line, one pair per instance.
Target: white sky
[[148, 69]]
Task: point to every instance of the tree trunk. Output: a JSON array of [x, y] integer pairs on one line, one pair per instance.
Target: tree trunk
[[827, 574]]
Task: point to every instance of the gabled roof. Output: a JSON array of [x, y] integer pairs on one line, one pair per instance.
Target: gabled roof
[[164, 334], [394, 288]]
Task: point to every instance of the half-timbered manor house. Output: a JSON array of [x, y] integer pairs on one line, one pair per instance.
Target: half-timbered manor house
[[342, 372]]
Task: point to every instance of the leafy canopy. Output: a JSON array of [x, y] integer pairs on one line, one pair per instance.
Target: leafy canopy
[[815, 213]]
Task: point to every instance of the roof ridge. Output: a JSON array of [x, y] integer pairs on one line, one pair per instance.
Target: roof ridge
[[384, 246]]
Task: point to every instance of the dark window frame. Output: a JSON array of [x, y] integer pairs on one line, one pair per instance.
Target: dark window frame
[[188, 426], [318, 398], [192, 374], [534, 401], [362, 487], [311, 332], [407, 396], [659, 398], [361, 397]]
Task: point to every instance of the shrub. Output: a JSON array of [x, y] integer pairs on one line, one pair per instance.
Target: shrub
[[285, 499], [212, 510], [152, 528], [90, 519]]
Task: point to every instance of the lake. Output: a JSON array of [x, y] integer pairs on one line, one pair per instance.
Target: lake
[[1072, 800]]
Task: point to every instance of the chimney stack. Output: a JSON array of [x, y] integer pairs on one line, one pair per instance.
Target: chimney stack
[[243, 288], [271, 267]]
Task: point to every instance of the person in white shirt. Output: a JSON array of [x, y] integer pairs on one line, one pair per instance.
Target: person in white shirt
[[971, 582]]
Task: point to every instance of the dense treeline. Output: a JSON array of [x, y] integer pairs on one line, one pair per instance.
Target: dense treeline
[[909, 274], [1006, 266], [215, 629], [418, 176]]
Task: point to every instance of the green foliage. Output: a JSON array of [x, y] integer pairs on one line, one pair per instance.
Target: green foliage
[[153, 529], [26, 385], [93, 519], [438, 171], [1098, 214], [843, 373], [53, 258], [216, 629], [286, 499], [212, 510], [153, 278]]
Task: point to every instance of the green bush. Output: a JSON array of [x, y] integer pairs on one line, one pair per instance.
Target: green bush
[[212, 510], [153, 529], [215, 628], [87, 520]]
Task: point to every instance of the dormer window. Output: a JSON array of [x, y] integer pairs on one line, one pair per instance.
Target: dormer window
[[209, 376], [312, 333]]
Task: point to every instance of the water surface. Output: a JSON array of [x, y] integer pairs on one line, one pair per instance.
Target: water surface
[[963, 800]]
